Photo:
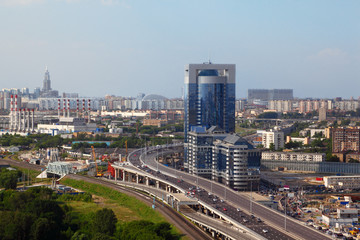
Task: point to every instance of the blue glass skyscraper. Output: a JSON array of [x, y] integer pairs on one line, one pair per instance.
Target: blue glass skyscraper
[[209, 96]]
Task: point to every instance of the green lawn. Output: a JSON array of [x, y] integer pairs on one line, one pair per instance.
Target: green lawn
[[129, 207]]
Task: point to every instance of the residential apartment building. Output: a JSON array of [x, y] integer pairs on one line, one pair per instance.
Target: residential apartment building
[[345, 140], [281, 105], [273, 137]]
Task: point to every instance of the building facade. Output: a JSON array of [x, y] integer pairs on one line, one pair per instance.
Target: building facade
[[293, 156], [345, 140], [273, 137], [342, 182], [225, 158], [270, 94], [209, 96]]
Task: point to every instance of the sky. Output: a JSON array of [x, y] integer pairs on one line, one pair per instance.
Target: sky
[[126, 47]]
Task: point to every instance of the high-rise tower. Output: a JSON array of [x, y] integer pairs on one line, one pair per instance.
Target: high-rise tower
[[46, 82], [209, 96]]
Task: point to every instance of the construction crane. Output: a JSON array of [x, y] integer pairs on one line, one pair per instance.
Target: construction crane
[[98, 173]]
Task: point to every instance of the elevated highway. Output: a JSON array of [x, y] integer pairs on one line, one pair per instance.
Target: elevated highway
[[284, 227]]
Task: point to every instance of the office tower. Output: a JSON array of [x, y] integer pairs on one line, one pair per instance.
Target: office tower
[[46, 82], [209, 96]]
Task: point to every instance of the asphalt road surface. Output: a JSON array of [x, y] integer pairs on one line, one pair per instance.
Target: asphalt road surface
[[274, 222]]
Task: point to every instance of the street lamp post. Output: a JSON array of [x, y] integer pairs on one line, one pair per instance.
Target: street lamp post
[[285, 214], [250, 196]]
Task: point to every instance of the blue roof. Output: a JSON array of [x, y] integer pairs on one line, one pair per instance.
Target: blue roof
[[209, 72]]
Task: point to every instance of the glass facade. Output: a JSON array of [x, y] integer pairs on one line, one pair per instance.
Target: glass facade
[[209, 104]]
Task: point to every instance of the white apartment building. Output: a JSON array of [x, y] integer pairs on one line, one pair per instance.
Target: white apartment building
[[273, 137], [293, 156], [342, 182], [281, 105]]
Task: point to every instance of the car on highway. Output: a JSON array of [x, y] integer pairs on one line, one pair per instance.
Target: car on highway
[[221, 200], [225, 209], [238, 209], [245, 220], [252, 216], [265, 231], [259, 220]]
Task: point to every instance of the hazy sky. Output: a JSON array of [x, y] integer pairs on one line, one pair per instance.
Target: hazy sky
[[123, 47]]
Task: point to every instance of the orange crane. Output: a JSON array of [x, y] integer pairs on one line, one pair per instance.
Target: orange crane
[[98, 173]]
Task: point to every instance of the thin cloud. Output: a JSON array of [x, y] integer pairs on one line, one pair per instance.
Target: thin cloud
[[330, 55], [19, 2], [115, 2]]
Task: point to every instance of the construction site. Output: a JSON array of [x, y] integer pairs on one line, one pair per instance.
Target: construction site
[[90, 161]]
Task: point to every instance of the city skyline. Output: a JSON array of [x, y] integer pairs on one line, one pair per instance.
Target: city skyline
[[123, 48]]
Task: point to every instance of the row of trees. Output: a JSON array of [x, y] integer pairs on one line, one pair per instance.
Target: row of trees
[[38, 214], [37, 140], [44, 141]]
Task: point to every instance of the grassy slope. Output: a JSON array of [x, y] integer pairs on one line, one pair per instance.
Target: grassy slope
[[127, 207]]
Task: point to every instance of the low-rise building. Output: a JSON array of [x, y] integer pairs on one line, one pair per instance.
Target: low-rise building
[[293, 156], [344, 216], [67, 125], [342, 182]]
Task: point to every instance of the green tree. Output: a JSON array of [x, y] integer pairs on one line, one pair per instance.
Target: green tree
[[351, 160], [272, 147], [104, 222], [42, 229], [9, 178], [269, 115], [79, 236], [331, 158]]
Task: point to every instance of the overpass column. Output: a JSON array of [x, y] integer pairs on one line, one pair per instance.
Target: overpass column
[[157, 184], [130, 177], [124, 174], [147, 181], [137, 178], [116, 174]]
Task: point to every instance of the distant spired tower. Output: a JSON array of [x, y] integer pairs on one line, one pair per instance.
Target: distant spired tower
[[47, 82]]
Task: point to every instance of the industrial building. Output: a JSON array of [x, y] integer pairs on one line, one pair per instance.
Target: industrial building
[[20, 120]]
